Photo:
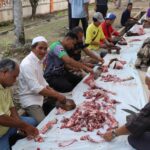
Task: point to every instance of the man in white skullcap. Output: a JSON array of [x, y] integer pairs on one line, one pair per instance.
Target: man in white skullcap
[[32, 85], [137, 126]]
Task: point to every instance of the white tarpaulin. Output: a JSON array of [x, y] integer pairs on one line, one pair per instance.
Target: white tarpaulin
[[128, 92]]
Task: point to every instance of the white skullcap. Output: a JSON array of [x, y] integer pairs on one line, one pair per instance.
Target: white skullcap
[[39, 39], [148, 72]]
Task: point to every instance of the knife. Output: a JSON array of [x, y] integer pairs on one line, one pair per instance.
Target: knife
[[134, 107], [129, 111]]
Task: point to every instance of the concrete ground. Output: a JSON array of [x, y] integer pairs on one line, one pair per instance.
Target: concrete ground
[[53, 26]]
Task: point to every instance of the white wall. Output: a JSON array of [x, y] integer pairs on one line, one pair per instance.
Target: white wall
[[60, 5], [6, 12]]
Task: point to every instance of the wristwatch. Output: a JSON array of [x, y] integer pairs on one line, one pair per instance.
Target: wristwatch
[[114, 134]]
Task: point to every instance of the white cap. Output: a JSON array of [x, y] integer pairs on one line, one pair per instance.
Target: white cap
[[148, 72], [39, 39]]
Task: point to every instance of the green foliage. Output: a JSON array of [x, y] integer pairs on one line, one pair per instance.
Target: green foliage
[[6, 23]]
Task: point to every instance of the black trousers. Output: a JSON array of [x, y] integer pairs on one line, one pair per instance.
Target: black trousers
[[75, 22], [13, 139], [141, 143], [48, 105], [102, 9], [69, 16], [64, 83]]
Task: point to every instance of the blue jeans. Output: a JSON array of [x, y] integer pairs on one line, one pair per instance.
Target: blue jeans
[[4, 140], [103, 53]]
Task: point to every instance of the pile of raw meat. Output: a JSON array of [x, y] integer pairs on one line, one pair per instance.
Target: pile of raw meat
[[94, 113]]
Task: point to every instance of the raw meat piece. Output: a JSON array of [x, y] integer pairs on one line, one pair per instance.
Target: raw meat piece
[[107, 91], [112, 60], [118, 65], [111, 78], [123, 62], [134, 40], [39, 139], [90, 81], [60, 111], [114, 78], [100, 133], [67, 143], [115, 102], [49, 125], [138, 29], [88, 138], [104, 68], [44, 130], [122, 41]]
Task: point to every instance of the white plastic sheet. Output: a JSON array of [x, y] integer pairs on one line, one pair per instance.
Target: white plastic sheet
[[129, 92]]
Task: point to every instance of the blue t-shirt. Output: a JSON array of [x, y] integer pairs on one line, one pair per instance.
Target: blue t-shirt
[[125, 16], [54, 64], [77, 8]]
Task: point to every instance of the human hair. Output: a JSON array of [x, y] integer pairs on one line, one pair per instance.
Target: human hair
[[71, 35], [94, 19], [7, 65], [129, 4], [34, 45], [77, 29]]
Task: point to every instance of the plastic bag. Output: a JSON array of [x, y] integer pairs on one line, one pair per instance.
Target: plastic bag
[[138, 29]]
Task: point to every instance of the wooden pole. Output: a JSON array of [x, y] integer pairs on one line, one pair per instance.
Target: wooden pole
[[51, 6]]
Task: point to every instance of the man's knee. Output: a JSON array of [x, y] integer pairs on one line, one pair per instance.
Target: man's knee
[[29, 120], [103, 53], [36, 112]]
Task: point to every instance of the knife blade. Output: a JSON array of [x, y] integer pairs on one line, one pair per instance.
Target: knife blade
[[134, 107], [129, 111]]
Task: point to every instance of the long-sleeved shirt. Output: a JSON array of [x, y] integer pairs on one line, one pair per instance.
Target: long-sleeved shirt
[[31, 81], [140, 123]]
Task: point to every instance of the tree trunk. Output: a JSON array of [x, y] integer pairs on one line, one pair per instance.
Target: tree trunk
[[34, 4], [18, 22], [33, 12]]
